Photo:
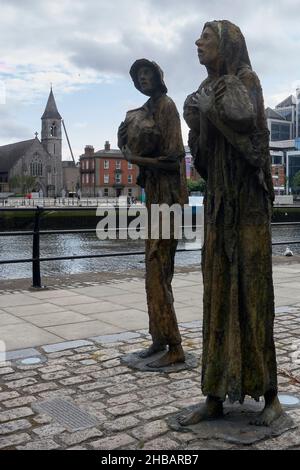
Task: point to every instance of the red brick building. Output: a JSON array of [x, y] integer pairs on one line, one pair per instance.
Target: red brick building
[[107, 174]]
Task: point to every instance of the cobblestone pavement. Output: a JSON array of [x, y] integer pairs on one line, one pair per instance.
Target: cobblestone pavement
[[129, 407]]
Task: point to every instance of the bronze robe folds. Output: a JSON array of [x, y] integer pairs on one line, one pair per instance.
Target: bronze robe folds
[[161, 187], [230, 150]]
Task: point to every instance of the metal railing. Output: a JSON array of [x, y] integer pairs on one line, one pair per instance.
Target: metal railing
[[36, 233]]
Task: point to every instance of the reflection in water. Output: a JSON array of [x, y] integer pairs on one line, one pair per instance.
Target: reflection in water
[[84, 244]]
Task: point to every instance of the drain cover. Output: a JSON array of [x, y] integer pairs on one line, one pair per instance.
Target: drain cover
[[67, 414], [288, 400]]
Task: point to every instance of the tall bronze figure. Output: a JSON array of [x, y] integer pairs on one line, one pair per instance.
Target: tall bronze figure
[[151, 138], [229, 141]]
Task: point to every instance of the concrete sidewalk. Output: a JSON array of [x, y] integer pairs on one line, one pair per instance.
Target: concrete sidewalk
[[80, 335], [29, 318]]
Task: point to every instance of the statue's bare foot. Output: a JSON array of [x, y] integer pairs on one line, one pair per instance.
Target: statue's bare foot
[[153, 349], [173, 356], [211, 409], [270, 413]]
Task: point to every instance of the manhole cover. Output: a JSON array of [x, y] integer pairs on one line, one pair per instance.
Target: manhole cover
[[288, 400], [67, 414]]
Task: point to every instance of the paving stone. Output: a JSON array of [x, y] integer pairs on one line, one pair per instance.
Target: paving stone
[[125, 409], [121, 389], [15, 414], [182, 385], [22, 354], [65, 345], [79, 436], [119, 441], [14, 426], [95, 385], [56, 375], [40, 388], [8, 395], [19, 375], [14, 440], [157, 412], [150, 430], [49, 430], [120, 400], [162, 443], [21, 383], [42, 419], [121, 424], [76, 380], [19, 401], [40, 444], [157, 401], [89, 397], [58, 355], [6, 370], [115, 338], [152, 382]]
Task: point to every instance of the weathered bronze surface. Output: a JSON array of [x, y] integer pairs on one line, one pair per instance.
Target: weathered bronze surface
[[151, 138], [229, 141]]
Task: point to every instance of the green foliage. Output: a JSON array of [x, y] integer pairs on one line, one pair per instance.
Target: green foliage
[[198, 185], [22, 183]]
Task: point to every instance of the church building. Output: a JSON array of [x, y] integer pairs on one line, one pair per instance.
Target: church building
[[39, 159]]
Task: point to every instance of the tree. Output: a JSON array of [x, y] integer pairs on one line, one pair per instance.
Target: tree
[[198, 185], [296, 183], [22, 183]]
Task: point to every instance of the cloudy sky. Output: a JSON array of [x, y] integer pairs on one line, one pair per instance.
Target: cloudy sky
[[86, 47]]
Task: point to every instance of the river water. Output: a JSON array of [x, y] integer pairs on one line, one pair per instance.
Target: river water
[[85, 244]]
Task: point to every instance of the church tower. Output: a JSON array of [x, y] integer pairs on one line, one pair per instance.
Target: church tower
[[51, 138]]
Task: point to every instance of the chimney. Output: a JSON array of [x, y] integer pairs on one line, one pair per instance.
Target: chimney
[[107, 146], [89, 151]]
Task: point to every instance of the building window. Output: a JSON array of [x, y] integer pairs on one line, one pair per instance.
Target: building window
[[118, 178], [53, 149], [36, 169], [106, 164], [129, 192], [53, 130], [118, 165], [93, 164], [129, 166], [82, 179], [87, 179], [130, 179], [93, 179], [106, 179], [105, 192], [87, 165]]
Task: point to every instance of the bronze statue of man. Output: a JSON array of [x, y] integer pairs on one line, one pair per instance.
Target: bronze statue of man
[[151, 138], [229, 141]]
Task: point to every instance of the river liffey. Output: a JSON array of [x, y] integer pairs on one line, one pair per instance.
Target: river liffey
[[20, 247]]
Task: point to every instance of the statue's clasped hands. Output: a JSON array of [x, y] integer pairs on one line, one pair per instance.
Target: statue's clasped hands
[[204, 101]]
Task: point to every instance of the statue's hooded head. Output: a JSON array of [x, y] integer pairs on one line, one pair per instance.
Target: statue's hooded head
[[148, 77], [233, 54]]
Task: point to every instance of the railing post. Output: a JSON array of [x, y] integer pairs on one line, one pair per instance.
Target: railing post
[[36, 271]]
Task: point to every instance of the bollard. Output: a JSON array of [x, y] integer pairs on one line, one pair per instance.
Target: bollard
[[36, 270]]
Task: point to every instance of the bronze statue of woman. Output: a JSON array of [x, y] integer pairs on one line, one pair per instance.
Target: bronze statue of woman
[[229, 141], [151, 138]]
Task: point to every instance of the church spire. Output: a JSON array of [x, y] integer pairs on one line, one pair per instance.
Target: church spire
[[51, 111]]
